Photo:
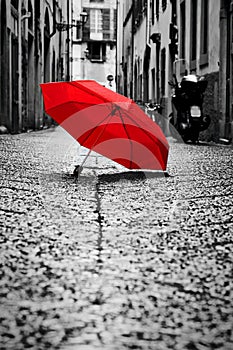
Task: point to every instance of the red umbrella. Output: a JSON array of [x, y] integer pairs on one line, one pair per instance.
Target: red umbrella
[[107, 123]]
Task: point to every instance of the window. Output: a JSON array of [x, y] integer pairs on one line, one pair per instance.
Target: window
[[153, 83], [115, 24], [204, 32], [157, 9], [78, 30], [182, 30], [106, 23], [3, 28], [97, 51], [152, 11], [140, 87], [138, 12], [30, 20], [14, 19], [96, 24], [163, 71], [14, 3], [193, 35], [164, 5]]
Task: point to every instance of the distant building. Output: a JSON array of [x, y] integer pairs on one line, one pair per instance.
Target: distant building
[[154, 34], [32, 51], [94, 41]]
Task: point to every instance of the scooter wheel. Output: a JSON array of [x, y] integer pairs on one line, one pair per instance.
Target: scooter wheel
[[195, 138], [185, 138]]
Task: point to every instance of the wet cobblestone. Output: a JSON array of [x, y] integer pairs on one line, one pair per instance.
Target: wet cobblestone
[[114, 260]]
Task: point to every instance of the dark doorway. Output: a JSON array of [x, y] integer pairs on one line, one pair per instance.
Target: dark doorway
[[158, 72], [31, 75], [54, 67], [3, 60], [231, 69], [38, 120], [125, 80], [135, 82], [46, 118], [46, 48], [146, 65], [15, 83]]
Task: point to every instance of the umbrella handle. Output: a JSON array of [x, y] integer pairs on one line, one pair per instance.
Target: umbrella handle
[[78, 168]]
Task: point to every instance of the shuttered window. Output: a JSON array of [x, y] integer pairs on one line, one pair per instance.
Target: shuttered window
[[96, 24], [15, 3], [86, 27], [193, 34], [164, 5], [97, 51], [163, 70], [204, 32], [106, 23], [101, 25], [157, 9], [115, 24], [182, 30]]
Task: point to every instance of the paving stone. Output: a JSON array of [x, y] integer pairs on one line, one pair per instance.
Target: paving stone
[[114, 259]]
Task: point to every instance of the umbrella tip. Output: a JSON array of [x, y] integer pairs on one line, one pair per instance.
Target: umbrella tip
[[166, 174], [77, 170]]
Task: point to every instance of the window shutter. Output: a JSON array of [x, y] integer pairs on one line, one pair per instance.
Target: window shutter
[[115, 25], [106, 23], [164, 5], [86, 27]]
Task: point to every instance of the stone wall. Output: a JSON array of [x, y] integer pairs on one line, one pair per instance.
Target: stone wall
[[211, 107]]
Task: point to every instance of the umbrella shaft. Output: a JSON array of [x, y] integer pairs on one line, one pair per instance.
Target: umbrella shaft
[[84, 160]]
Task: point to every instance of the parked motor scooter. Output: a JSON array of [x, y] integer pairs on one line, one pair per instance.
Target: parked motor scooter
[[187, 100]]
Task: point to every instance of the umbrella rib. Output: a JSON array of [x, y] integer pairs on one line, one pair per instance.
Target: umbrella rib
[[92, 130], [111, 113], [131, 144], [145, 131]]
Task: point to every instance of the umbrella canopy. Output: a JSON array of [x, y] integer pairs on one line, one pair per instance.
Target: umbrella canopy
[[107, 123]]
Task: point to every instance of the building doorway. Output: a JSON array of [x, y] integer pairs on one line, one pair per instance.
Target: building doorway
[[3, 67], [146, 65], [46, 118], [15, 83], [46, 48], [231, 67], [31, 69], [14, 68]]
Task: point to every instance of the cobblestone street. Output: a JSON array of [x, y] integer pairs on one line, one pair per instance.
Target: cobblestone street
[[115, 259]]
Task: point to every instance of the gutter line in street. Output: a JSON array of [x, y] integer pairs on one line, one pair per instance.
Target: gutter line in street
[[99, 219]]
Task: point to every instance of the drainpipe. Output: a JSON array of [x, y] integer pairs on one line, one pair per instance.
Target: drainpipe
[[148, 23], [224, 71], [68, 41], [19, 66], [71, 41], [116, 63], [228, 57], [132, 53]]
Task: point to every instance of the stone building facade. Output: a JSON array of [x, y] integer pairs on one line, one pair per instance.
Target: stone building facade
[[32, 51], [157, 36], [94, 42]]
